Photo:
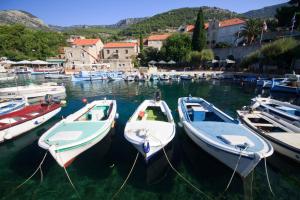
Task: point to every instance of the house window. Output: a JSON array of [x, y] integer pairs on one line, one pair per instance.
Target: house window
[[126, 51], [107, 51], [71, 55], [123, 65], [120, 65], [82, 54], [117, 51]]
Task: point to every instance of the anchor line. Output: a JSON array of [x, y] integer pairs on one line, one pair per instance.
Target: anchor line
[[125, 181], [267, 175], [73, 186], [178, 173]]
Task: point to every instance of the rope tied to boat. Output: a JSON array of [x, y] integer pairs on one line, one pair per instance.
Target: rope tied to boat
[[267, 175], [73, 186], [178, 173], [125, 181], [236, 166]]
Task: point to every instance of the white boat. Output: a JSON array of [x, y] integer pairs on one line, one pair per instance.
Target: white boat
[[33, 92], [16, 123], [115, 76], [8, 78], [283, 110], [186, 77], [47, 70], [23, 70], [89, 76], [79, 131], [164, 77], [129, 78], [11, 106], [285, 138], [222, 136], [56, 76], [150, 128], [154, 77]]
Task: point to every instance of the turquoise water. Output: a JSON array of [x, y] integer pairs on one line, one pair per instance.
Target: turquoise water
[[99, 172]]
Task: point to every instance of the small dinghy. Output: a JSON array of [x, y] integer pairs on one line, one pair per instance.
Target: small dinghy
[[186, 77], [151, 127], [26, 119], [11, 106], [284, 137], [164, 77], [283, 110], [79, 131], [222, 136]]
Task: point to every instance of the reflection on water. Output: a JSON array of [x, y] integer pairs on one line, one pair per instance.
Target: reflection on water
[[99, 172]]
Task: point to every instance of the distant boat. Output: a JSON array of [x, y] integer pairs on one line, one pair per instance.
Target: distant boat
[[11, 106], [283, 136], [115, 76], [89, 76], [8, 78], [56, 76], [33, 92], [289, 84], [174, 77], [26, 119], [164, 77], [47, 70], [150, 128], [222, 136], [154, 77], [264, 82], [79, 131], [2, 69], [129, 78], [283, 110], [23, 70], [186, 77]]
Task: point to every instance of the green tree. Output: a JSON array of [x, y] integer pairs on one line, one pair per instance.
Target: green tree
[[251, 30], [149, 54], [285, 14], [199, 33], [177, 47], [197, 59], [141, 42]]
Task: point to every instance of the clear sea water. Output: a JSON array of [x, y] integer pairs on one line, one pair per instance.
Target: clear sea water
[[99, 172]]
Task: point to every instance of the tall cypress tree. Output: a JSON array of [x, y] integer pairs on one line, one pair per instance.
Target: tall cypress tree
[[141, 43], [199, 33]]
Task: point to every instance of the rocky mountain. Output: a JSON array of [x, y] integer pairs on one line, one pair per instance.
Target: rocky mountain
[[21, 17], [264, 13]]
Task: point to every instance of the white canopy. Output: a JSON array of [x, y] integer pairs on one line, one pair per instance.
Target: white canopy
[[23, 62], [39, 62], [171, 62], [7, 62], [162, 62], [152, 62]]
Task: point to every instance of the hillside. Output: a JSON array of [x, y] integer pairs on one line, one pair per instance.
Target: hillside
[[264, 13], [21, 17], [176, 18]]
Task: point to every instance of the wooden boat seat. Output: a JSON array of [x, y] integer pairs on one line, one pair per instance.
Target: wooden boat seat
[[292, 139]]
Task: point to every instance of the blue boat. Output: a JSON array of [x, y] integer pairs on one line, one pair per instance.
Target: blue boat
[[185, 77], [154, 77], [221, 136], [10, 106], [289, 84], [89, 76]]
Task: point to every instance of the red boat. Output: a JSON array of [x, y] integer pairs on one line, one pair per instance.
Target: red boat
[[26, 119]]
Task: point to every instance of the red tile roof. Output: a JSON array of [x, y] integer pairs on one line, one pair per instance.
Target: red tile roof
[[81, 42], [231, 22], [224, 23], [119, 44], [159, 37]]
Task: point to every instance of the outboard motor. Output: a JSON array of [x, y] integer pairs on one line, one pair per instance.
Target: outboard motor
[[157, 96], [146, 146]]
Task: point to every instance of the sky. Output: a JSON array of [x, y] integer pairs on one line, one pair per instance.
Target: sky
[[101, 12]]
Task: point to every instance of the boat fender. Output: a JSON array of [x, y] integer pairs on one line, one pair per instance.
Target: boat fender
[[117, 116], [36, 122], [146, 146]]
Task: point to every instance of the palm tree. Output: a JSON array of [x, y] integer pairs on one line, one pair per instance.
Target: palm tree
[[251, 30]]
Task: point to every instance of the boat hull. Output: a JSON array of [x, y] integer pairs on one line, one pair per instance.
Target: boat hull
[[20, 129], [287, 89], [65, 157], [245, 166]]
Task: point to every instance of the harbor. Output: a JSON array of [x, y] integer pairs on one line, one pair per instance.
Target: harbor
[[99, 171]]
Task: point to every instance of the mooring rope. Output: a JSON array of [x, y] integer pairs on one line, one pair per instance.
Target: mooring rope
[[73, 186], [267, 175], [39, 168], [234, 171], [125, 181], [181, 176]]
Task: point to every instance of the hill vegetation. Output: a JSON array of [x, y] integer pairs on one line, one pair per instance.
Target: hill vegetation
[[174, 19], [19, 42]]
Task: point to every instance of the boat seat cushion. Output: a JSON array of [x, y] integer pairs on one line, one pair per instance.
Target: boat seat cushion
[[198, 115]]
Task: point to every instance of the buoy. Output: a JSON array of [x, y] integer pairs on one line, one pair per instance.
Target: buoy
[[84, 100], [146, 146]]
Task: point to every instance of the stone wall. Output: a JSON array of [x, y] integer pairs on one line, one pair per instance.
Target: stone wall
[[237, 52]]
